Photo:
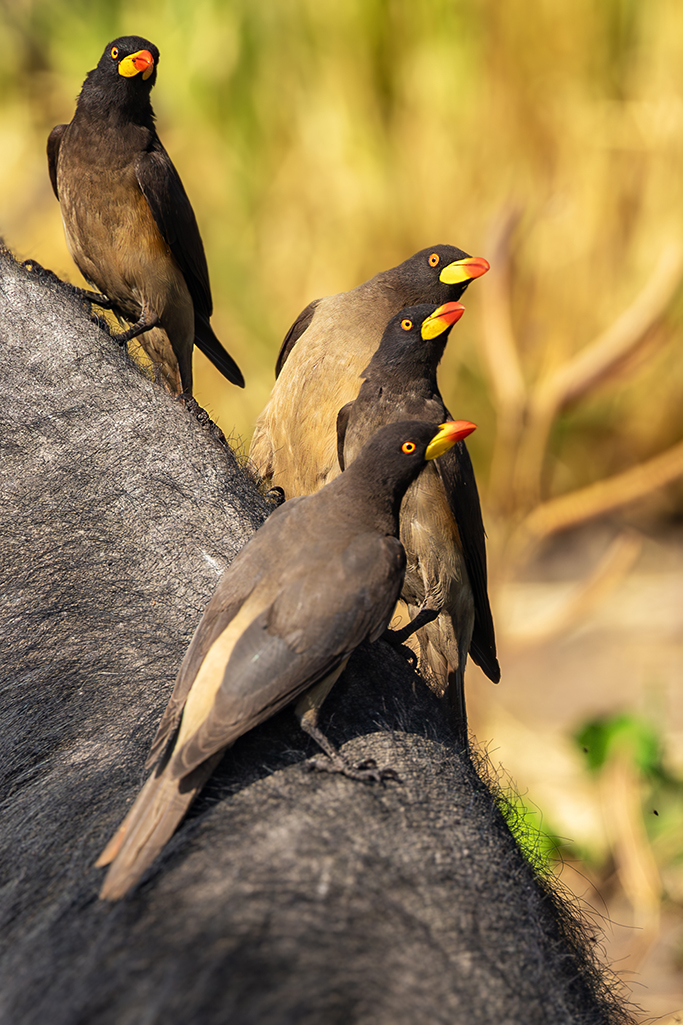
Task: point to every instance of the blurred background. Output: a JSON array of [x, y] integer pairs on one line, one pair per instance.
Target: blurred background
[[321, 142]]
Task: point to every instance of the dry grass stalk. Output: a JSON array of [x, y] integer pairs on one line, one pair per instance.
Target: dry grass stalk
[[615, 564], [598, 499]]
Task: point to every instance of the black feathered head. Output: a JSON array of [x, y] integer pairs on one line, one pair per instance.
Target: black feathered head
[[123, 79], [414, 341], [439, 274]]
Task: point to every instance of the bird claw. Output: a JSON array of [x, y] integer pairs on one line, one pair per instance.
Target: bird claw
[[96, 298], [33, 267], [365, 772], [409, 655], [404, 650], [276, 495]]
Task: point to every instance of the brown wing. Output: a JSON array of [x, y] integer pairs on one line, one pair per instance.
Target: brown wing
[[217, 617], [172, 211], [53, 143], [234, 589], [457, 474], [308, 630], [342, 424], [294, 334], [162, 188]]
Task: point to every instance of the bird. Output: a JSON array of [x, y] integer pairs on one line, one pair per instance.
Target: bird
[[318, 369], [441, 526], [128, 222], [319, 577]]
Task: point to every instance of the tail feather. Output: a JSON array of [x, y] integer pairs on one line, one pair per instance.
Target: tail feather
[[151, 822], [136, 810], [457, 709], [205, 339], [438, 645]]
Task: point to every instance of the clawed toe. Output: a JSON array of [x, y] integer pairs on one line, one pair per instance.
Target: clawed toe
[[33, 267], [365, 772]]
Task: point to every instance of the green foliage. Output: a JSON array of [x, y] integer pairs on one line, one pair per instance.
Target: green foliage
[[600, 739], [636, 739]]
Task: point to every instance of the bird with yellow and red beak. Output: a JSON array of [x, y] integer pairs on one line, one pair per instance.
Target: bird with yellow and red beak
[[129, 225], [323, 355], [321, 576], [442, 529]]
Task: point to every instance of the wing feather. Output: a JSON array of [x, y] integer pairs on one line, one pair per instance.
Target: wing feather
[[294, 334], [457, 475], [305, 633], [162, 188], [54, 141]]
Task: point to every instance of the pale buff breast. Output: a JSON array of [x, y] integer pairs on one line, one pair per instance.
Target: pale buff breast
[[295, 439], [431, 539]]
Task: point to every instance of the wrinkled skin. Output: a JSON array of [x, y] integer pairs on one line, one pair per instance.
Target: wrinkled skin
[[286, 896]]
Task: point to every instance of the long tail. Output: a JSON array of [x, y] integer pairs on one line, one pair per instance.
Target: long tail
[[206, 340], [457, 710], [151, 822], [437, 646]]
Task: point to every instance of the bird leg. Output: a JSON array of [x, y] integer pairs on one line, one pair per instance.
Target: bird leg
[[92, 297], [143, 324], [307, 709], [423, 616], [428, 611]]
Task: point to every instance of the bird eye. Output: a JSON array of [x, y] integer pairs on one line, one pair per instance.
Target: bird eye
[[406, 324], [408, 447], [433, 260], [114, 52]]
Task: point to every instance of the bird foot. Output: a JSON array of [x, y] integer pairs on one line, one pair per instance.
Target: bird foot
[[80, 293], [33, 267], [365, 772], [276, 496], [143, 324], [404, 650], [91, 297]]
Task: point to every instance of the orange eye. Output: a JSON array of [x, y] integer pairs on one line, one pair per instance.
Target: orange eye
[[433, 259], [114, 52], [406, 324], [408, 447]]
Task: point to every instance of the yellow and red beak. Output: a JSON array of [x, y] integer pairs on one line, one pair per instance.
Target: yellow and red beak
[[460, 272], [142, 61], [441, 319], [446, 437]]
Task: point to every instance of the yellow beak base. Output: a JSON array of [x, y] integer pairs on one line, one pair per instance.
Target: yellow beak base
[[446, 437], [142, 61], [461, 271], [440, 320]]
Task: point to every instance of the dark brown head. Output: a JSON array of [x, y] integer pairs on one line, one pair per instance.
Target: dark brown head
[[413, 343], [123, 79], [438, 275], [392, 459]]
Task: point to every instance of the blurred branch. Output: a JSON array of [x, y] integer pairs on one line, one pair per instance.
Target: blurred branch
[[636, 867], [594, 365], [502, 357], [599, 360], [610, 570], [499, 344], [600, 498]]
